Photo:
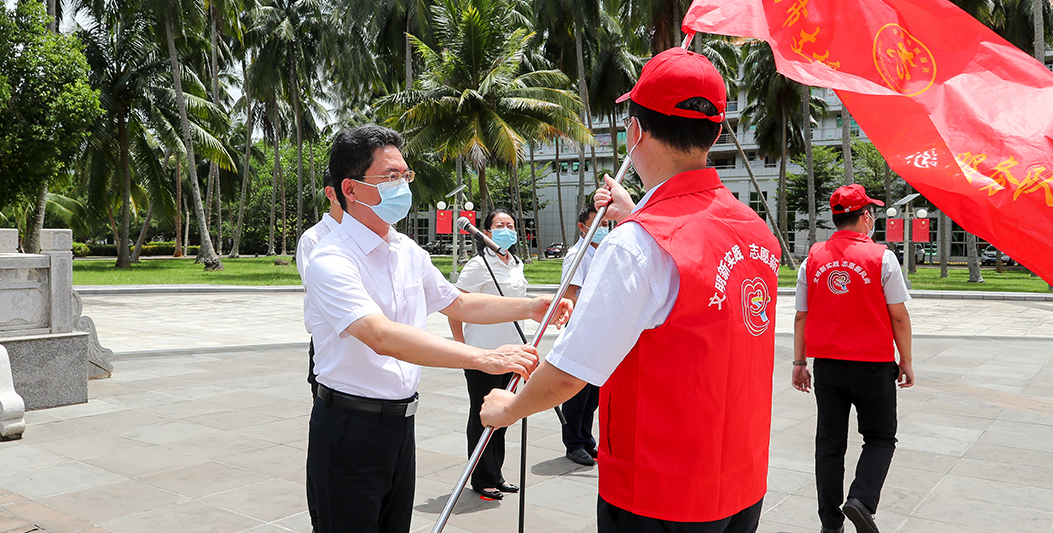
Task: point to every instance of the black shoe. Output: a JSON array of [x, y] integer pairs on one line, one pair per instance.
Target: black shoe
[[508, 487], [581, 457], [860, 516], [828, 530], [490, 494], [593, 452]]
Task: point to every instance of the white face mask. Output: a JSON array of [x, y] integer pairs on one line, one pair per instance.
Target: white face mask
[[870, 234]]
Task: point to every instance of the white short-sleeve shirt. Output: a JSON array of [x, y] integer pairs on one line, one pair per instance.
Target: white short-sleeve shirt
[[308, 241], [632, 285], [476, 278], [583, 268], [352, 273]]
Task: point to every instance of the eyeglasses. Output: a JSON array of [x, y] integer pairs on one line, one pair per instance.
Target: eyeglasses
[[395, 176]]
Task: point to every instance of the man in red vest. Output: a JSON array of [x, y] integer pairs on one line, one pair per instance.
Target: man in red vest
[[850, 309], [675, 323]]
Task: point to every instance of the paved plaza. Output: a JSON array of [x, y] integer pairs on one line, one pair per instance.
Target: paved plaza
[[203, 428]]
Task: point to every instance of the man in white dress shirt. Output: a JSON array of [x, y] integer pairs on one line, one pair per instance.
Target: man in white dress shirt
[[370, 290]]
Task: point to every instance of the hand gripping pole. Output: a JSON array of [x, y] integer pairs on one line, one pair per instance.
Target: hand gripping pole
[[473, 461]]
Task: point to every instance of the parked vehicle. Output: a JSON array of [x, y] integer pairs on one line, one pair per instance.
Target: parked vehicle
[[919, 253], [990, 256], [555, 249], [437, 248]]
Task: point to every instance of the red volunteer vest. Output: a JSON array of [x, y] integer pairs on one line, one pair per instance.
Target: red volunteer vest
[[685, 418], [847, 315]]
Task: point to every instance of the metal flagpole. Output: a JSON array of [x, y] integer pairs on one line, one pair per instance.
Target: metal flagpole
[[444, 516]]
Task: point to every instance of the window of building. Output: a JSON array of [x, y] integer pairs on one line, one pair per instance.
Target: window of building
[[770, 162], [757, 206], [724, 162]]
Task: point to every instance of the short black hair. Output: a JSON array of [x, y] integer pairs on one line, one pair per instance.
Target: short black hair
[[681, 133], [327, 179], [353, 150], [586, 210], [843, 220]]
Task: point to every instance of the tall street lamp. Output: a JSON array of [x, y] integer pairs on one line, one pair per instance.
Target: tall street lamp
[[908, 247]]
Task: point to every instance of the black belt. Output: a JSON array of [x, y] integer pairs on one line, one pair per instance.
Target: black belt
[[406, 408]]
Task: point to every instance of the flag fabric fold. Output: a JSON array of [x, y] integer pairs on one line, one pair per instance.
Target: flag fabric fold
[[961, 114]]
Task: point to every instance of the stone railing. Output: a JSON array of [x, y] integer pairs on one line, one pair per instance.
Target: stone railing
[[52, 349]]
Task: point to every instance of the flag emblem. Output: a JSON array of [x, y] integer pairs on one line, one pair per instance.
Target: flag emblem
[[755, 299], [905, 64]]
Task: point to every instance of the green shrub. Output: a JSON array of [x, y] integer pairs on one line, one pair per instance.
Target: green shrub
[[104, 250], [80, 249]]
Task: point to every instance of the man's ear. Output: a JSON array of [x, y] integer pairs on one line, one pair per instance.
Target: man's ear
[[330, 193], [347, 186], [583, 228]]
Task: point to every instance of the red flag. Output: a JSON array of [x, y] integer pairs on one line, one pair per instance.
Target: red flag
[[960, 113], [443, 222], [894, 230], [470, 215], [919, 230]]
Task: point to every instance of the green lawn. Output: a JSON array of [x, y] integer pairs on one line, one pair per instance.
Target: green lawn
[[928, 278], [263, 271]]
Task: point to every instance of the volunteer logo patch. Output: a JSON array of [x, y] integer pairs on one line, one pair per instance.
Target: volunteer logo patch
[[755, 300], [838, 281]]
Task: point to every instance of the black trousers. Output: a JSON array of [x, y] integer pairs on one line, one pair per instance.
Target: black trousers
[[871, 388], [312, 378], [488, 473], [361, 470], [611, 519], [579, 412]]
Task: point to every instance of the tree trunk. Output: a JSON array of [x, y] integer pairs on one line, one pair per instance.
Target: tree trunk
[[533, 194], [1040, 33], [888, 184], [409, 49], [219, 216], [178, 252], [614, 141], [235, 248], [783, 212], [315, 186], [285, 213], [213, 168], [517, 200], [32, 242], [974, 259], [945, 243], [52, 25], [206, 254], [123, 257], [484, 192], [299, 154], [846, 143], [142, 234], [583, 93], [559, 200], [274, 186], [806, 96]]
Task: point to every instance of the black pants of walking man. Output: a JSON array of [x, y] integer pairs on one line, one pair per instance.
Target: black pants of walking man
[[871, 388], [612, 519], [579, 412]]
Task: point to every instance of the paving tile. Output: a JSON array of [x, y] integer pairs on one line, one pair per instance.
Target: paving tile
[[189, 517], [222, 444], [274, 461], [49, 518], [267, 501], [88, 446], [57, 479], [22, 457], [142, 461], [123, 419], [109, 502], [168, 432], [991, 517], [203, 479], [9, 522]]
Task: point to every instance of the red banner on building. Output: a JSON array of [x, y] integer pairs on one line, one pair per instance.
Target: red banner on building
[[470, 215], [443, 222], [960, 113]]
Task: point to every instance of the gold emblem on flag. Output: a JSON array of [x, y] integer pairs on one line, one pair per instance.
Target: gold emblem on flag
[[905, 63]]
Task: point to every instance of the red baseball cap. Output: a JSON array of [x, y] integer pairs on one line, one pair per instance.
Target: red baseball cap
[[851, 198], [674, 76]]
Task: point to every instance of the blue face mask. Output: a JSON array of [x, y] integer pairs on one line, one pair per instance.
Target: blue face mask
[[504, 237], [395, 200], [601, 232]]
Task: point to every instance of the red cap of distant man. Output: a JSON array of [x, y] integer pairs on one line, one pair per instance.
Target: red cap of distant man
[[851, 198], [674, 76]]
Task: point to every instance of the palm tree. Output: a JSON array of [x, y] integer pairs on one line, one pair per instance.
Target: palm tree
[[128, 70], [472, 99], [613, 73], [185, 16], [289, 34], [771, 109]]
